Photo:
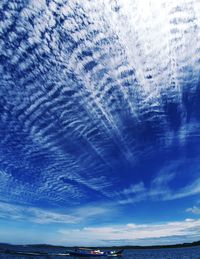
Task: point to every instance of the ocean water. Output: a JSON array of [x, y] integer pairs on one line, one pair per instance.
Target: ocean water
[[171, 253]]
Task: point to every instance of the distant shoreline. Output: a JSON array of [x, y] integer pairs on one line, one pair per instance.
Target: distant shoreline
[[127, 247]]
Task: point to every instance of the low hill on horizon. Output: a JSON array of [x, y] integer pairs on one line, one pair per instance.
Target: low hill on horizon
[[195, 243]]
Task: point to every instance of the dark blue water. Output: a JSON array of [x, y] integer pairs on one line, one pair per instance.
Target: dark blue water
[[169, 253]]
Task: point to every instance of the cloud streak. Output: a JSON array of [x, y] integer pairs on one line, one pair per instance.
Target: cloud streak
[[132, 233], [46, 216], [159, 190], [194, 210], [35, 215]]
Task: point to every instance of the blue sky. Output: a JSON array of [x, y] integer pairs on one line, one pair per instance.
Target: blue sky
[[99, 122]]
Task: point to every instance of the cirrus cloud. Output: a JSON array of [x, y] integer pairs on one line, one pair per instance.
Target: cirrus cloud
[[132, 233]]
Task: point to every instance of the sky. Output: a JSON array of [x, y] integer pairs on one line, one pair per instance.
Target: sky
[[99, 122]]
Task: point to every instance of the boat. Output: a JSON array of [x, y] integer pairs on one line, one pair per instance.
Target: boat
[[94, 253]]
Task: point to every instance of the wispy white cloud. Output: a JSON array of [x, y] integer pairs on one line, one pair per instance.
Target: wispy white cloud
[[86, 212], [191, 189], [137, 188], [194, 210], [35, 215], [42, 216], [132, 232], [158, 190], [135, 193]]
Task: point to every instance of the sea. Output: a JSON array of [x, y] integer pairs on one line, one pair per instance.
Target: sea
[[166, 253]]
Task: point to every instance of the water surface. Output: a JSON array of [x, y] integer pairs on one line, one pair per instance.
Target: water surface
[[167, 253]]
